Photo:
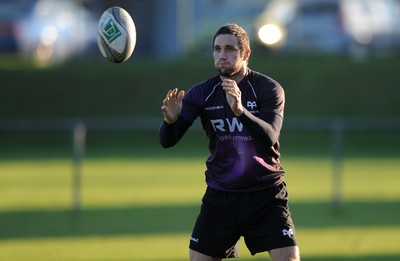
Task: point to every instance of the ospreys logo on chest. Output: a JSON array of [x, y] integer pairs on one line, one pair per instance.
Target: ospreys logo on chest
[[252, 106]]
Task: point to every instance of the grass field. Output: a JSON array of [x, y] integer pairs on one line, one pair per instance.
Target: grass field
[[141, 204]]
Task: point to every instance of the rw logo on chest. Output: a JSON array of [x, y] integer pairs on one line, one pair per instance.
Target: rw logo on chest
[[226, 125]]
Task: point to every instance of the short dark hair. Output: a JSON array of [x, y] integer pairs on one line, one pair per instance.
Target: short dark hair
[[239, 32]]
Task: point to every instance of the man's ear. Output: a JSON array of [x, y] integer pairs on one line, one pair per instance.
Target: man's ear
[[246, 55]]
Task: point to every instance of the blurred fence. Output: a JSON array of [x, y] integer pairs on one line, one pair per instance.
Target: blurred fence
[[153, 123], [336, 127]]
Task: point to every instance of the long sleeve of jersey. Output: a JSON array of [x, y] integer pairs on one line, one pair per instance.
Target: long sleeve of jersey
[[170, 134], [265, 129]]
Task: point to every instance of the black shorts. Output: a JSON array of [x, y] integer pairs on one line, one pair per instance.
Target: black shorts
[[261, 217]]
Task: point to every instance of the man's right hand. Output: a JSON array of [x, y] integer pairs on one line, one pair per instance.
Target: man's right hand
[[172, 105]]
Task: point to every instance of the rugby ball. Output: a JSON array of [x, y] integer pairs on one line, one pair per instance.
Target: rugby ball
[[116, 34]]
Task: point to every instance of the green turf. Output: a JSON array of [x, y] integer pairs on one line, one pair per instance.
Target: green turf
[[144, 209]]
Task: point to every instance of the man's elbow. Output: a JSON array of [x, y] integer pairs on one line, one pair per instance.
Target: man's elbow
[[166, 144]]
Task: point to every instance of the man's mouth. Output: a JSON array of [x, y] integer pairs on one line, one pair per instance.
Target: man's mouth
[[223, 63]]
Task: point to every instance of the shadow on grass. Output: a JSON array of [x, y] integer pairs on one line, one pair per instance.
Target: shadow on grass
[[142, 220], [305, 258], [353, 213], [108, 221], [358, 258], [337, 258]]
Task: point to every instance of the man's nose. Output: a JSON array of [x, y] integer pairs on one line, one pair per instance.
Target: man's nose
[[223, 54]]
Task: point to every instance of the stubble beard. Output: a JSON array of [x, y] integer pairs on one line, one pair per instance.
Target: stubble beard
[[228, 72]]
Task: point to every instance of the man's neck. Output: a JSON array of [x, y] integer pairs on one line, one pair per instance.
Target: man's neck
[[238, 77]]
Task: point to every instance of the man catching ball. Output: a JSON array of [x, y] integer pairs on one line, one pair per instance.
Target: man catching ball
[[241, 112]]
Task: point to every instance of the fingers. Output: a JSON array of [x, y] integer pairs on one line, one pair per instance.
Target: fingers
[[180, 95], [172, 97], [229, 85], [172, 93], [228, 82], [231, 88], [165, 102]]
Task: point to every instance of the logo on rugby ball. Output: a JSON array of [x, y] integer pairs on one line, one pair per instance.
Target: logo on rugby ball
[[111, 31]]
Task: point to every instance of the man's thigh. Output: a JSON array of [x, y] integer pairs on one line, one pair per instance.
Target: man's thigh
[[197, 256], [285, 254]]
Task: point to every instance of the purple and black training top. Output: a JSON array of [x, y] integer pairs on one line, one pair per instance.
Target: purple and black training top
[[244, 150]]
